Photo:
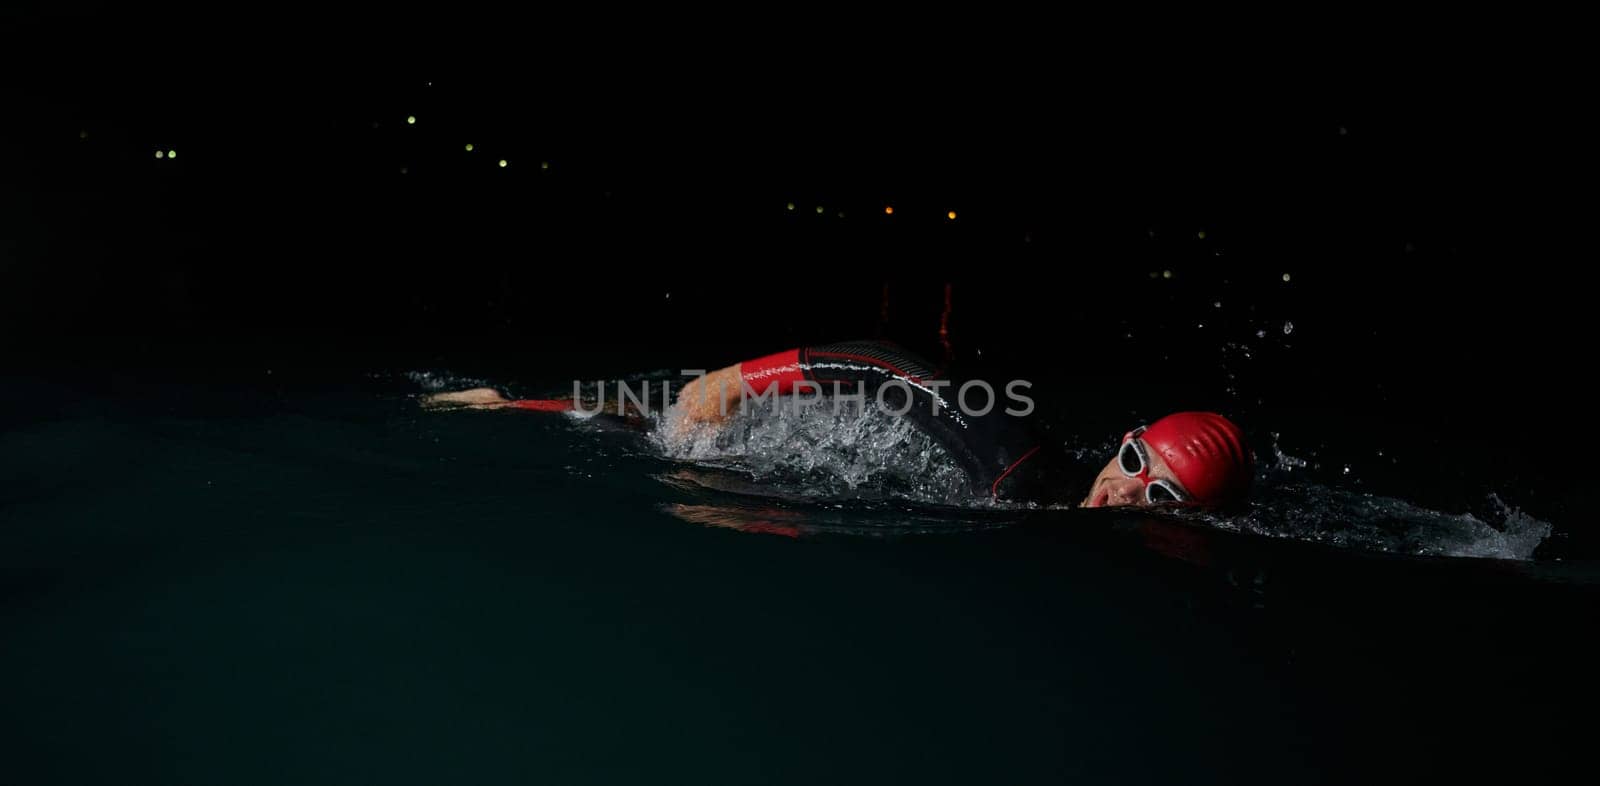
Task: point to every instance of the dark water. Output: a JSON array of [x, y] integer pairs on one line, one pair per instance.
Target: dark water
[[247, 585]]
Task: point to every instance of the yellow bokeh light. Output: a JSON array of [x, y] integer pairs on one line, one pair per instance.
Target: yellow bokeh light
[[161, 154], [791, 206], [888, 210], [469, 147], [1166, 274], [544, 164], [503, 163], [172, 154], [411, 120], [1285, 278], [1201, 234], [819, 210], [951, 215]]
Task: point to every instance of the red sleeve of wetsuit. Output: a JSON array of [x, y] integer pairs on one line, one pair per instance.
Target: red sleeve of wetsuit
[[542, 404], [781, 369]]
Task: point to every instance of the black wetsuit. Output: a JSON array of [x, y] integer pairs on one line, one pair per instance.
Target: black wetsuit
[[1005, 456]]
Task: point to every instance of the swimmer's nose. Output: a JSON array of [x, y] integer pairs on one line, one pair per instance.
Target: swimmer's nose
[[1124, 491]]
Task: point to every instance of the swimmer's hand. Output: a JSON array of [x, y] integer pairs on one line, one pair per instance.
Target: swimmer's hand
[[476, 398], [712, 398]]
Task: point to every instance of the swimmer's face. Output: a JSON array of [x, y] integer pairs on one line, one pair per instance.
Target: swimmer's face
[[1114, 486]]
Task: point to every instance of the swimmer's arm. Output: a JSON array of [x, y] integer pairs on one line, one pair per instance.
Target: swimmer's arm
[[702, 399], [489, 398], [698, 402], [714, 397], [476, 398]]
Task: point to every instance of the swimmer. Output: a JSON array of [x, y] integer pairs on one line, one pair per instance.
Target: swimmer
[[1186, 458]]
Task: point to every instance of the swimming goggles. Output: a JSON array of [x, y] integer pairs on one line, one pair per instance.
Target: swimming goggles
[[1134, 461]]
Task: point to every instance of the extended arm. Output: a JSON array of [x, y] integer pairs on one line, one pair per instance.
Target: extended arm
[[489, 398], [476, 398]]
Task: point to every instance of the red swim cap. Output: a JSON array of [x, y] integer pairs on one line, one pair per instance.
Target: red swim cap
[[1206, 453]]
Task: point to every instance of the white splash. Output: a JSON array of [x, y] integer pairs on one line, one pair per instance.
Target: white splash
[[1316, 513], [822, 451]]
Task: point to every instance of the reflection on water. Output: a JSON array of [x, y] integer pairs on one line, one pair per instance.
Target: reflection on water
[[728, 499]]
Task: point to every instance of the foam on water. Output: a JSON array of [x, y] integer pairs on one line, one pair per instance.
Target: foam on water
[[824, 451], [1317, 513]]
